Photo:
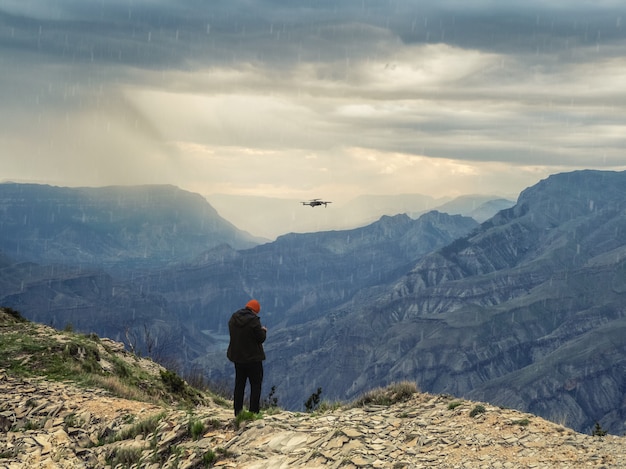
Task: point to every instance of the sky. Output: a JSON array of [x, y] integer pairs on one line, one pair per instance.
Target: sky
[[311, 98]]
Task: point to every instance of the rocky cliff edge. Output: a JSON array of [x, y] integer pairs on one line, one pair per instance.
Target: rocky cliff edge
[[75, 401]]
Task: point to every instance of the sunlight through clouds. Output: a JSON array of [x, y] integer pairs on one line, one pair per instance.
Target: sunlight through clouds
[[431, 66]]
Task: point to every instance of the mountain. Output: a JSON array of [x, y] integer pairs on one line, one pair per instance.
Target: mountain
[[527, 311], [179, 311], [110, 226], [66, 255], [524, 310], [95, 301], [299, 277], [479, 207]]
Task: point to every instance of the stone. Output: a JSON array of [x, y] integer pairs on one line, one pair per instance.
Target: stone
[[418, 433]]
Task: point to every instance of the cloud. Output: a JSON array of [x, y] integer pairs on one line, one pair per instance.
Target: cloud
[[290, 97]]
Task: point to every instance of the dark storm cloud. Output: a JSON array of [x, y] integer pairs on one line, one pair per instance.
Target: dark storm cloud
[[318, 83], [187, 33], [143, 37]]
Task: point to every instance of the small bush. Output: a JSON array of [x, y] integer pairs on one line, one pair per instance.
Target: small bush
[[478, 409], [313, 401], [326, 406], [173, 382], [521, 422], [598, 430], [126, 457], [32, 425], [144, 427], [15, 314], [394, 393], [224, 452], [196, 429], [209, 458], [220, 401], [454, 405], [246, 416], [71, 420], [121, 389], [120, 368], [214, 423], [271, 401], [8, 454], [93, 336]]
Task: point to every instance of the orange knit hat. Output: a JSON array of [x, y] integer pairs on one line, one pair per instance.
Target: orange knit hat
[[254, 306]]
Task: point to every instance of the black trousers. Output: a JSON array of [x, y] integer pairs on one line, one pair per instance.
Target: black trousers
[[244, 372]]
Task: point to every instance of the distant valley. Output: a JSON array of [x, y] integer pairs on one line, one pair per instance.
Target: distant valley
[[524, 309]]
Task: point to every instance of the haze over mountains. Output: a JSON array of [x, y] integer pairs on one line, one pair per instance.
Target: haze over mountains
[[270, 217], [107, 226], [524, 310]]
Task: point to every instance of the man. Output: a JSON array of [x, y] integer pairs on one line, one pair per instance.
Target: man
[[245, 350]]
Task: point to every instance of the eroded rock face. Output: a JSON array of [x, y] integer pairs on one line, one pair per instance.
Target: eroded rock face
[[526, 312]]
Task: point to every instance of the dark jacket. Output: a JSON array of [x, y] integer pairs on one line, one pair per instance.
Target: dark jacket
[[246, 337]]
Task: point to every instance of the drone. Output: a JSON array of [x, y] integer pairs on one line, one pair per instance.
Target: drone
[[316, 202]]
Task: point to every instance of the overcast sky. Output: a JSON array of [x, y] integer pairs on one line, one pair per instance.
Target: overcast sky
[[315, 98]]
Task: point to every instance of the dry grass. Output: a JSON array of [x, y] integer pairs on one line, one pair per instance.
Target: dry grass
[[121, 389], [395, 392]]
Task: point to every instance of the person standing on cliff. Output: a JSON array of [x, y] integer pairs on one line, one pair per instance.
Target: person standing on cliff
[[245, 350]]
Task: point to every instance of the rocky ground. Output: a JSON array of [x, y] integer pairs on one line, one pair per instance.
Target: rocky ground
[[52, 422], [58, 425]]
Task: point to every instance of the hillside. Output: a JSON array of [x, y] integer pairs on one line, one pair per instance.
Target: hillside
[[66, 403]]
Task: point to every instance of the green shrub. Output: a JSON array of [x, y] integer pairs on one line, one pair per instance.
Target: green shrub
[[196, 429], [71, 420], [93, 336], [313, 401], [221, 401], [126, 457], [120, 368], [14, 314], [478, 409], [326, 406], [143, 427], [271, 401], [454, 405], [214, 423], [598, 430], [246, 415], [209, 458], [173, 382]]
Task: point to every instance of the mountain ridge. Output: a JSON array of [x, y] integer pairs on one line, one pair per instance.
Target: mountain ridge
[[113, 225], [502, 299], [459, 307]]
